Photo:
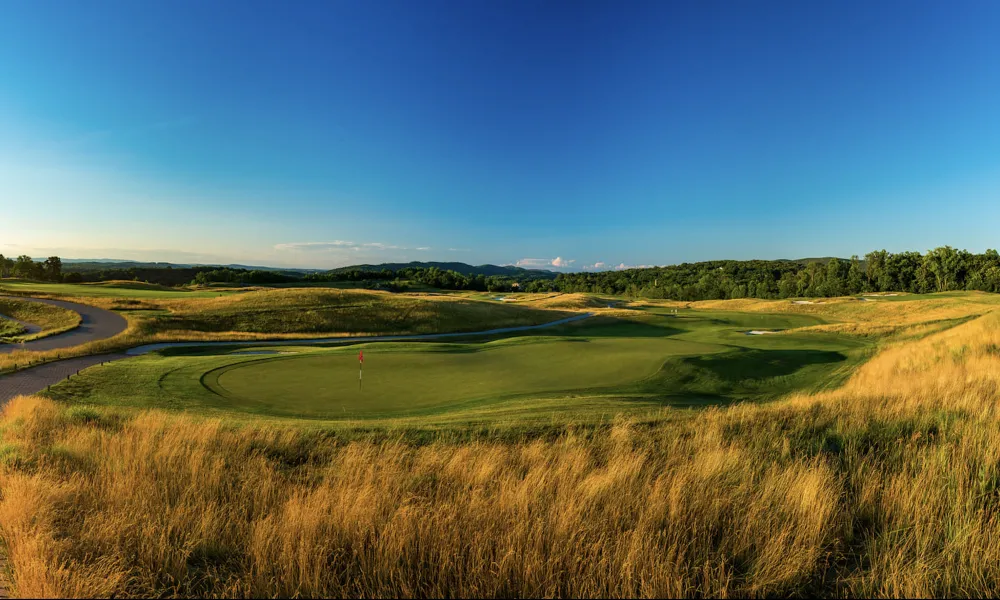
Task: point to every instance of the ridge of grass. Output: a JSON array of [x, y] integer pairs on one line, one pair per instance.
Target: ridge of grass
[[51, 319]]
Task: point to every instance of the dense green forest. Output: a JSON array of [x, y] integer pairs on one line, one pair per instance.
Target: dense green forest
[[445, 279], [941, 269]]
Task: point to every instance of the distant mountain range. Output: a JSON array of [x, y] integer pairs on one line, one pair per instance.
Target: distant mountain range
[[71, 265]]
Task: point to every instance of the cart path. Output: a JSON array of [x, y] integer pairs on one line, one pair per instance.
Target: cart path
[[36, 379], [95, 324]]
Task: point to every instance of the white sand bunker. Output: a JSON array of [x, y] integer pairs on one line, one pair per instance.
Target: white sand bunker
[[252, 352], [760, 332], [807, 302], [880, 295]]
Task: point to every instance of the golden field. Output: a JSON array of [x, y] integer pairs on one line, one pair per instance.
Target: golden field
[[887, 486]]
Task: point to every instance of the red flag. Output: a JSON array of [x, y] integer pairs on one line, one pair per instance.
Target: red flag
[[361, 356]]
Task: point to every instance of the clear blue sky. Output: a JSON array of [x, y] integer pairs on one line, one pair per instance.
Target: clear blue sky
[[327, 133]]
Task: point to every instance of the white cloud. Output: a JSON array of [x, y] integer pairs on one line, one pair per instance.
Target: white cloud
[[597, 266], [539, 263], [423, 249], [459, 250], [562, 263], [623, 266]]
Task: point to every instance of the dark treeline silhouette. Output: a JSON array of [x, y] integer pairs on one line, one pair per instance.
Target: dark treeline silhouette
[[445, 279], [939, 270], [242, 276]]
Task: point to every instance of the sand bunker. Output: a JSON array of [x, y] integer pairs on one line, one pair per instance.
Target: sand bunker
[[759, 332]]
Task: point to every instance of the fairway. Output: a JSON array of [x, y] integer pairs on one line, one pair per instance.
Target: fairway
[[650, 360], [106, 290]]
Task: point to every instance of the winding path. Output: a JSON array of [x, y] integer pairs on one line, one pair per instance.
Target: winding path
[[36, 379], [95, 324]]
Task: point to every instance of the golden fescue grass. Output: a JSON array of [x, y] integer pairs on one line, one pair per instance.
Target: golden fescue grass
[[566, 301], [153, 505], [311, 311], [873, 314], [889, 486]]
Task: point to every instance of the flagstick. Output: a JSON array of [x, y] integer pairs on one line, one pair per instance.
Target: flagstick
[[360, 369]]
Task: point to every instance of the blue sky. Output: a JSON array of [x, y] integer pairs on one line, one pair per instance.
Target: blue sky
[[563, 135]]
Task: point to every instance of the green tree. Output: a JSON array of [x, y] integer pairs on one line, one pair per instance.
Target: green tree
[[836, 270], [855, 277], [876, 271], [53, 268], [948, 267], [24, 266], [787, 286]]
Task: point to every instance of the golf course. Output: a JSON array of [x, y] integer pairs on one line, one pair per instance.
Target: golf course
[[637, 361], [532, 425]]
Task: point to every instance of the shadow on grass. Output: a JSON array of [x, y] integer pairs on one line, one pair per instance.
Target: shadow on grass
[[761, 364]]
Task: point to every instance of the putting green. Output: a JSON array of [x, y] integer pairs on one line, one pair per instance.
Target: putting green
[[408, 381]]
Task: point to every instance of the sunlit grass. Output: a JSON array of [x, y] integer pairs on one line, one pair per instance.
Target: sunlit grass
[[886, 486]]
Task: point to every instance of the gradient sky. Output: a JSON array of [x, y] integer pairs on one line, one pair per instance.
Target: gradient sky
[[551, 134]]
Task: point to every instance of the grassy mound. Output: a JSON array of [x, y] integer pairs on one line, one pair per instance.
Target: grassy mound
[[571, 301], [10, 329], [125, 284], [310, 311], [51, 319]]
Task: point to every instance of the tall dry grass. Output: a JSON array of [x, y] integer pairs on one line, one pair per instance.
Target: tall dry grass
[[889, 486]]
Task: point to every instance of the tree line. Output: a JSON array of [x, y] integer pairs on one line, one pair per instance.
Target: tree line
[[939, 270], [445, 279], [25, 267]]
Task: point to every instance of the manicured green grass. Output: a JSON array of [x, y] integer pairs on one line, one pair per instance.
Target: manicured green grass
[[124, 290], [586, 370]]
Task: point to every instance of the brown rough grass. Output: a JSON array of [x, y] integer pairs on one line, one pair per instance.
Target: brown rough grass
[[888, 486]]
